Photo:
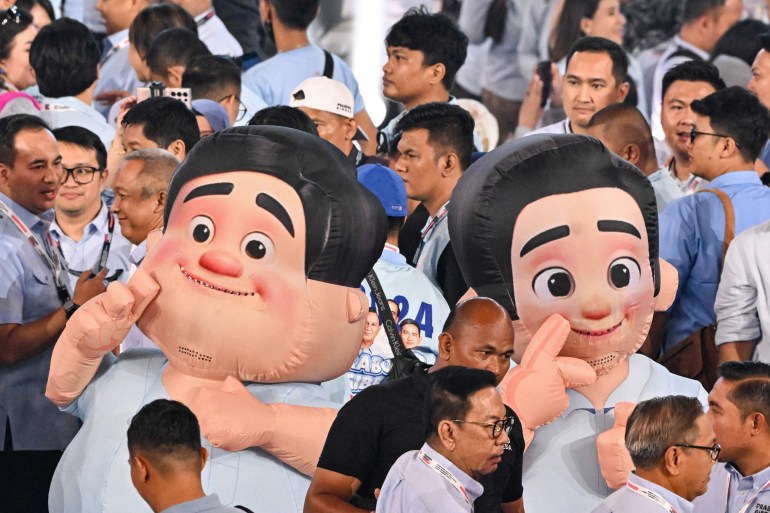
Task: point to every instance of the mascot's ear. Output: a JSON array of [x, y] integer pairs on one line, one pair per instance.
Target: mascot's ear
[[669, 282], [356, 304], [153, 237]]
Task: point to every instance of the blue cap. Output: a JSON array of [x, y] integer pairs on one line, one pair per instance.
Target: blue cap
[[385, 183]]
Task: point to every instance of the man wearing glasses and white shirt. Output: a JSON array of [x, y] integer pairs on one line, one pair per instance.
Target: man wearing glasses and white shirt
[[84, 230], [739, 407]]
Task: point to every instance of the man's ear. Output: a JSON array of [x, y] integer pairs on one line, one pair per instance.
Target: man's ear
[[449, 164], [437, 73], [447, 434], [4, 172], [445, 345], [351, 127], [623, 90], [631, 153], [729, 147], [174, 76], [161, 202], [669, 282], [142, 468], [672, 460], [177, 148], [204, 456]]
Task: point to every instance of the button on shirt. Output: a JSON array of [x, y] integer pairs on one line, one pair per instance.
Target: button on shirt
[[414, 487], [741, 491], [84, 254], [691, 237], [207, 504], [742, 306], [626, 501], [28, 293], [69, 111]]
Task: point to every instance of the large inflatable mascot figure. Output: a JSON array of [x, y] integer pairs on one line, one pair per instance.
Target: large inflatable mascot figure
[[252, 295], [564, 234]]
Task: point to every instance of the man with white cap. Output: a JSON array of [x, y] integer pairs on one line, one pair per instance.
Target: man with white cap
[[329, 104]]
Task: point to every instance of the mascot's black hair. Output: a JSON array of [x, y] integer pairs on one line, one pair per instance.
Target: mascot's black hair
[[492, 193], [346, 224]]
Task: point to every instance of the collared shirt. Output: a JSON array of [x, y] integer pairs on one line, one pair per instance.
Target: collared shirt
[[691, 239], [28, 293], [207, 504], [626, 501], [742, 304], [85, 254], [116, 72], [564, 451], [69, 111], [414, 487], [669, 187], [664, 64], [560, 127], [722, 497], [214, 34]]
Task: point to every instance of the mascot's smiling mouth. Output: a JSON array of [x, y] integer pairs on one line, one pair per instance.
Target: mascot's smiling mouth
[[212, 286], [598, 333]]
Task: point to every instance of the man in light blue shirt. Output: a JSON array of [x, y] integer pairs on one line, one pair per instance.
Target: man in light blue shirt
[[673, 447], [729, 131], [65, 57], [467, 429], [739, 407], [85, 231]]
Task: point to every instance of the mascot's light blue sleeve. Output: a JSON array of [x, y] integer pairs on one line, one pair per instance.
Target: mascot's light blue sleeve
[[93, 475]]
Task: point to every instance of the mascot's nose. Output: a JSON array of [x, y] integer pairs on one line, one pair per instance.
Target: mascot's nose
[[222, 263]]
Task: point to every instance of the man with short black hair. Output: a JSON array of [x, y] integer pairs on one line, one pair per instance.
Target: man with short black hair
[[384, 421], [286, 22], [166, 459], [170, 53], [730, 128], [35, 303], [594, 78], [673, 447], [65, 57], [435, 146], [161, 122], [218, 79], [466, 431], [739, 407]]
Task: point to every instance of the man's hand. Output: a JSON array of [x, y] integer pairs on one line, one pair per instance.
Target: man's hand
[[614, 459], [537, 388], [89, 286]]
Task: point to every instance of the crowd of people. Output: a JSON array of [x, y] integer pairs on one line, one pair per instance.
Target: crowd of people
[[103, 106]]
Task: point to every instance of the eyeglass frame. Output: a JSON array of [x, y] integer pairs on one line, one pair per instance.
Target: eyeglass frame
[[695, 133], [714, 449], [501, 422], [71, 171], [242, 110], [13, 14]]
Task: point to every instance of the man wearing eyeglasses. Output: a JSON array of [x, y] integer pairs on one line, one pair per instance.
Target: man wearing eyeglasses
[[87, 234], [739, 408], [673, 448], [387, 420], [730, 128], [467, 430]]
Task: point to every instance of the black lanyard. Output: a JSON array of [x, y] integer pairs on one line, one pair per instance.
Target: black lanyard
[[105, 253]]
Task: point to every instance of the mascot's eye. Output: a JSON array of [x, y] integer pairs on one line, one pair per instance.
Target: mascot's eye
[[258, 246], [553, 282], [623, 272], [201, 229]]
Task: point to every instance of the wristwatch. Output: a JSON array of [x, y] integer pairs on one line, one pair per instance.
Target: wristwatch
[[70, 308]]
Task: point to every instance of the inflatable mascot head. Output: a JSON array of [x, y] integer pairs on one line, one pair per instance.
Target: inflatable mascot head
[[267, 238], [559, 224]]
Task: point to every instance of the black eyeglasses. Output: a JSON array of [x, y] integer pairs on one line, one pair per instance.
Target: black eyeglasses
[[82, 175], [713, 450], [696, 133], [241, 107], [11, 15], [497, 426]]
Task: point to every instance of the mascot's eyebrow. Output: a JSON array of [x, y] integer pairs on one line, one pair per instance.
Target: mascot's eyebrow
[[271, 204], [618, 226], [211, 189], [543, 238]]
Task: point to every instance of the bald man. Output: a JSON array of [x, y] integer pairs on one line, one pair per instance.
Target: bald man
[[625, 132], [384, 421]]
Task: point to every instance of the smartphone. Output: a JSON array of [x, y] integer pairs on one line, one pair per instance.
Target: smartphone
[[544, 72], [182, 94]]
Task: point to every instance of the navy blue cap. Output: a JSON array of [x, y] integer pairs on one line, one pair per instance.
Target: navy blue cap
[[385, 183]]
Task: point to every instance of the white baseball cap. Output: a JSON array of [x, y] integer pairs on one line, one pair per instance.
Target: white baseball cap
[[322, 93]]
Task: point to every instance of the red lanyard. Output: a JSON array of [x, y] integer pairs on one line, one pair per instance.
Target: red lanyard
[[446, 474], [654, 497]]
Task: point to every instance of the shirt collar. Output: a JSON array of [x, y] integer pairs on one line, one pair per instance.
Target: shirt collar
[[28, 218], [117, 37], [138, 253], [737, 178], [473, 487], [392, 257], [98, 224], [681, 504], [753, 482], [638, 375], [689, 46], [203, 504], [205, 14]]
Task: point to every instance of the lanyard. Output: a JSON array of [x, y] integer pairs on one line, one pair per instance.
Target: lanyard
[[442, 213], [49, 258], [446, 474], [115, 49], [746, 506], [644, 492], [206, 18], [105, 253]]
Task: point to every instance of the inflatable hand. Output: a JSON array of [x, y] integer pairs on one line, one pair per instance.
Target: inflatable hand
[[614, 459], [97, 327], [230, 417], [536, 389]]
